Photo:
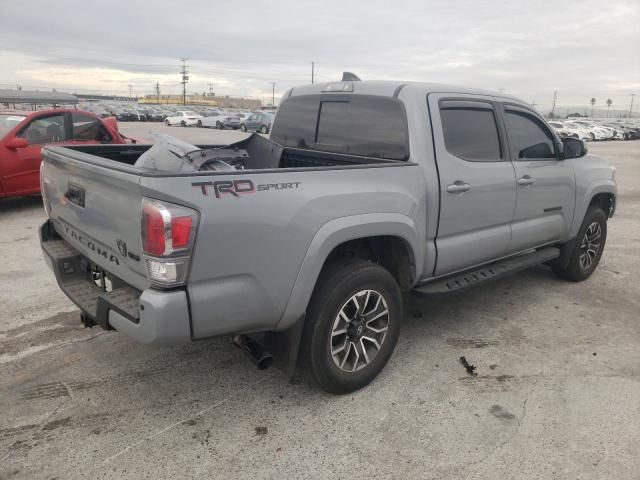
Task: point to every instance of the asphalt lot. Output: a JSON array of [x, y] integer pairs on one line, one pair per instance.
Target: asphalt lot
[[557, 393]]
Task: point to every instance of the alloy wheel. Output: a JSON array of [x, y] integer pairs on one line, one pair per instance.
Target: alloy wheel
[[359, 330], [590, 245]]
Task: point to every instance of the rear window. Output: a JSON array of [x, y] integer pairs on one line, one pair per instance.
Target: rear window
[[360, 125], [471, 133], [8, 122]]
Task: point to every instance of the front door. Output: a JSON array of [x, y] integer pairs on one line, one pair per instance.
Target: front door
[[477, 181], [21, 167], [545, 197]]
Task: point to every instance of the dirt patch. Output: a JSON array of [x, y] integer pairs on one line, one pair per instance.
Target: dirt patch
[[471, 342]]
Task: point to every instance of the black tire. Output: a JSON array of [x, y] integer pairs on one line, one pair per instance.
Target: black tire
[[199, 124], [183, 123], [219, 125], [243, 127], [264, 129], [166, 122], [337, 285], [575, 269]]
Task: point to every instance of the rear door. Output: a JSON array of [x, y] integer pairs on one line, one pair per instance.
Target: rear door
[[477, 181], [545, 197]]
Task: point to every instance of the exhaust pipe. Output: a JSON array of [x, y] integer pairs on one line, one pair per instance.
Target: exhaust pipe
[[254, 350]]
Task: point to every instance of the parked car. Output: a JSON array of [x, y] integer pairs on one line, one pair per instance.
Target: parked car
[[22, 135], [350, 215], [184, 118], [595, 132], [257, 122], [219, 121]]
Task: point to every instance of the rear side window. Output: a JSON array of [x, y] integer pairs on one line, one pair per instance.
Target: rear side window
[[528, 137], [471, 133], [360, 125]]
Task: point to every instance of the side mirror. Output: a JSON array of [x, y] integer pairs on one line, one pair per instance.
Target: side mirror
[[16, 143], [573, 148]]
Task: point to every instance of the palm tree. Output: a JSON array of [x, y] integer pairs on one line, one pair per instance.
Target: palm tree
[[593, 102], [609, 102]]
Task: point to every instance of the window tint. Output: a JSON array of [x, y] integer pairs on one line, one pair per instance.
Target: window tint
[[528, 137], [45, 130], [88, 128], [359, 125], [471, 133]]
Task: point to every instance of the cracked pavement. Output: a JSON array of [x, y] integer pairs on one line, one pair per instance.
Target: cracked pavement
[[557, 391]]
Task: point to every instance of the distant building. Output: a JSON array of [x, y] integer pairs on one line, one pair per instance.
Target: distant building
[[223, 102]]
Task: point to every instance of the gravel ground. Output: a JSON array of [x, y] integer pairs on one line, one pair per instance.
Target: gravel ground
[[557, 393]]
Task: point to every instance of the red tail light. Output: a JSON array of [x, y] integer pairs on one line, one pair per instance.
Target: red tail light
[[168, 231], [152, 230], [181, 231]]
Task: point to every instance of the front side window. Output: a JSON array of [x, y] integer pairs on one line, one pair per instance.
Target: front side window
[[528, 137], [45, 130], [471, 133], [359, 125], [88, 128]]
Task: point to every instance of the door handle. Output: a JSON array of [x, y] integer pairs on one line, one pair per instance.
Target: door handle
[[526, 180], [458, 187]]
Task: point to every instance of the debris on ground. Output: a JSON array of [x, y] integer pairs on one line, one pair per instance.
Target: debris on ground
[[470, 368]]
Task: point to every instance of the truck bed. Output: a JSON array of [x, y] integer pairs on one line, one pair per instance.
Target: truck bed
[[263, 154]]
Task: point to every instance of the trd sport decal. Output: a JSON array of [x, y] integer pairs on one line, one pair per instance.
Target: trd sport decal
[[236, 188]]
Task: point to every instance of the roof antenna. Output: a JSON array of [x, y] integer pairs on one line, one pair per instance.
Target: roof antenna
[[350, 77]]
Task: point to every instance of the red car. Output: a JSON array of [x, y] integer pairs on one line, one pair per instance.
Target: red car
[[22, 135]]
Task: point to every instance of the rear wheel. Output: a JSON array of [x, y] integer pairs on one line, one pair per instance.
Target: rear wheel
[[219, 125], [264, 129], [352, 325], [199, 123], [587, 250], [183, 123], [166, 122], [243, 127]]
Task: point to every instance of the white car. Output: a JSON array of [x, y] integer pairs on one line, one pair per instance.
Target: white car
[[185, 118], [568, 129], [220, 121], [595, 132]]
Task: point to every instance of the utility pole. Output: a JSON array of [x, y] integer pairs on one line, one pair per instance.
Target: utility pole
[[273, 94], [631, 106], [185, 79], [313, 67], [500, 90], [553, 106], [158, 92], [130, 87], [210, 89]]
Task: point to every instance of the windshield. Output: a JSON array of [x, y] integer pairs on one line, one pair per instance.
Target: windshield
[[8, 121]]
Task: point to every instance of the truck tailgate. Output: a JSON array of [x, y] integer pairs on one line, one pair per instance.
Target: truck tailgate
[[97, 210]]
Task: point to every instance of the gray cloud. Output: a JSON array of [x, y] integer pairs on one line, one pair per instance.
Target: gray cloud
[[580, 48]]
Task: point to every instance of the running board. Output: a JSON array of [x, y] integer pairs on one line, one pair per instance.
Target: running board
[[492, 271]]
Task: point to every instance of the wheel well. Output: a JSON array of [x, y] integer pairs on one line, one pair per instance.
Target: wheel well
[[392, 253], [605, 201]]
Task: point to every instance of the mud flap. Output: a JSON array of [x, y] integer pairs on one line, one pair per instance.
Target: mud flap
[[285, 347]]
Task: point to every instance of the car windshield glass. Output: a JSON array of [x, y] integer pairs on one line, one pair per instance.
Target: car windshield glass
[[7, 122]]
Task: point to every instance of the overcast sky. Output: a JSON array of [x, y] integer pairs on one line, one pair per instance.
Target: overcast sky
[[582, 49]]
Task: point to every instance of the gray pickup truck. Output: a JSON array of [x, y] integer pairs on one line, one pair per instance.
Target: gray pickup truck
[[305, 244]]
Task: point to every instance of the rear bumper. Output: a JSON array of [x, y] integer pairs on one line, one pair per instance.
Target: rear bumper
[[148, 316]]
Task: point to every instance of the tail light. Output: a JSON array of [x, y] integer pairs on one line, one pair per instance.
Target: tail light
[[168, 233]]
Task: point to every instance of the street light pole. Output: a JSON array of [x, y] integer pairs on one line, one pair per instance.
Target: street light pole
[[273, 94]]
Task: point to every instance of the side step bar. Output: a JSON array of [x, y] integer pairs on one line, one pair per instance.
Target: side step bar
[[492, 271]]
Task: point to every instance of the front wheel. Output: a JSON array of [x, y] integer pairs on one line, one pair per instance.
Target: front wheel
[[199, 123], [219, 125], [166, 122], [264, 129], [243, 127], [587, 250], [352, 325], [183, 123]]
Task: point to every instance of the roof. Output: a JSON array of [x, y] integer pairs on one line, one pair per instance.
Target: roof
[[390, 87], [21, 96]]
